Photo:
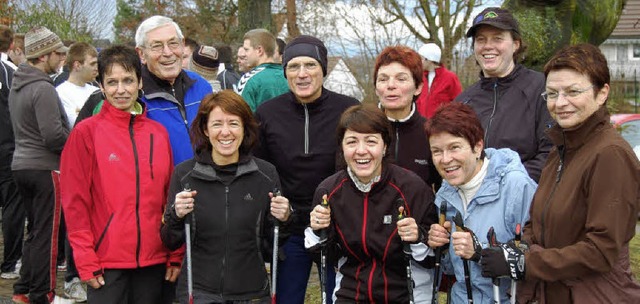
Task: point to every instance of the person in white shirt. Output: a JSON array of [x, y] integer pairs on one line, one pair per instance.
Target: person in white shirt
[[83, 68]]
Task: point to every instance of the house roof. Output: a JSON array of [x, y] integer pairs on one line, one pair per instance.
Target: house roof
[[629, 23], [332, 61]]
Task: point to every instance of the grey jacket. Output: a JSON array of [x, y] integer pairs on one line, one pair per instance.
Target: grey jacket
[[39, 122]]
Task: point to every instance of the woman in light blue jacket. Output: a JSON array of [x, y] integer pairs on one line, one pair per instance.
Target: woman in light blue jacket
[[487, 188]]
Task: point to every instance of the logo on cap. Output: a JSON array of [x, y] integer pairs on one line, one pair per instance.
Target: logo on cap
[[491, 14]]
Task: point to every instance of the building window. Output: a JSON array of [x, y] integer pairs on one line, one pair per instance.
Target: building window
[[636, 51]]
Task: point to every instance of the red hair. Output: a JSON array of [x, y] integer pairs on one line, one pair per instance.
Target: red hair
[[402, 55], [457, 119]]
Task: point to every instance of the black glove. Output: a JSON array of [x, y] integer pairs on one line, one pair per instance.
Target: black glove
[[494, 264], [477, 247]]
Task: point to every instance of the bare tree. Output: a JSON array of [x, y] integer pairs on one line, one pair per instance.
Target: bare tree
[[70, 19], [443, 21]]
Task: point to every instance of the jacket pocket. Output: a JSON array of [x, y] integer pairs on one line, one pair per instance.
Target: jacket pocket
[[104, 232]]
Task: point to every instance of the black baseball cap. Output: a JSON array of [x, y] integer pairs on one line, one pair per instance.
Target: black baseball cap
[[496, 17]]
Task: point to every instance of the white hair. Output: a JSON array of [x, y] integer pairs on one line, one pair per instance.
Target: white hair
[[153, 23]]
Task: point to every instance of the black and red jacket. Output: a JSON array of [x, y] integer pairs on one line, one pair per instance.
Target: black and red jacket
[[371, 263]]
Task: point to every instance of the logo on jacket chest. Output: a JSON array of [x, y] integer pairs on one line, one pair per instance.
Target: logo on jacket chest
[[422, 162], [248, 198], [113, 157]]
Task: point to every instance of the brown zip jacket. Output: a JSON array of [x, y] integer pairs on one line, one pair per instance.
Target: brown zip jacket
[[583, 216]]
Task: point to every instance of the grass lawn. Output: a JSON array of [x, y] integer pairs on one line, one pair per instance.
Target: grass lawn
[[313, 292], [634, 252]]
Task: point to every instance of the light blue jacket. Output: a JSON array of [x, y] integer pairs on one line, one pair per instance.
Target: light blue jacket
[[502, 201]]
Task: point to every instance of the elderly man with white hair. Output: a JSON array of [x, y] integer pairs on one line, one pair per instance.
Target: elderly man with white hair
[[172, 95]]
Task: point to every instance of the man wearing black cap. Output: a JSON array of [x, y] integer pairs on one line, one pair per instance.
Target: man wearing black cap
[[297, 136], [507, 97]]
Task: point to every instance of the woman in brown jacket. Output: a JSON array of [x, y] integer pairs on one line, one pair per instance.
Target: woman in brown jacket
[[584, 212]]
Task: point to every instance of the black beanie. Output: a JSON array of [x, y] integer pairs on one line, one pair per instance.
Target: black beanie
[[305, 45]]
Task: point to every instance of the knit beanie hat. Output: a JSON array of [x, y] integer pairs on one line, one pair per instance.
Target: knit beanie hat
[[205, 62], [305, 45], [40, 41]]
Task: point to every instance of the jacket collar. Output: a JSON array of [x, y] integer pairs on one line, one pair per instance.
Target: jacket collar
[[154, 87], [489, 82], [324, 95], [573, 139], [500, 162], [205, 169], [119, 117]]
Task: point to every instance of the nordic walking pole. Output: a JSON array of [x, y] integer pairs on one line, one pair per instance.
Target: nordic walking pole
[[323, 256], [465, 263], [187, 233], [438, 252], [513, 282], [493, 242], [406, 248], [274, 258]]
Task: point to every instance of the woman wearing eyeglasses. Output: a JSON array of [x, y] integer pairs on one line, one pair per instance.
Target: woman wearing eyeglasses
[[584, 212]]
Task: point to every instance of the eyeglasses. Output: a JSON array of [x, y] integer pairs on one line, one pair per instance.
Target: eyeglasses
[[308, 66], [572, 93], [158, 47]]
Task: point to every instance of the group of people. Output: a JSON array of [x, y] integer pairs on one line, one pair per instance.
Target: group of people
[[519, 188]]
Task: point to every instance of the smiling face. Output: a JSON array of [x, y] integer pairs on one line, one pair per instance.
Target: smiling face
[[571, 112], [494, 50], [304, 75], [456, 161], [363, 154], [225, 132], [395, 89], [120, 87], [162, 52]]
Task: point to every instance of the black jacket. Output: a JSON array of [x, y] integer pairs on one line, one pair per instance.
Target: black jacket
[[7, 142], [300, 140], [232, 225], [370, 255], [410, 148], [513, 115]]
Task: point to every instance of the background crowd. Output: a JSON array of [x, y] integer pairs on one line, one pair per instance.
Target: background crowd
[[158, 172]]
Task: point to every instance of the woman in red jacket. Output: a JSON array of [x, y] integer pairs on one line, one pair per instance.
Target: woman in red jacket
[[115, 172]]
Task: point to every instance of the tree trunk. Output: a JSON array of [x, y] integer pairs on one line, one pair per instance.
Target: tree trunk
[[254, 14], [292, 20]]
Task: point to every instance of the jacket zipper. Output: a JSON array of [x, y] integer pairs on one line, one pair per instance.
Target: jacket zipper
[[493, 112], [561, 150], [151, 154], [397, 145], [226, 238], [135, 158], [183, 109], [306, 129]]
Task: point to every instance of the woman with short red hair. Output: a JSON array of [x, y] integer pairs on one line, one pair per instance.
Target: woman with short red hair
[[488, 188]]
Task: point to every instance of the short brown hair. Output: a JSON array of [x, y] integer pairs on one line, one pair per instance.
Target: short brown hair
[[457, 119], [263, 38], [6, 38], [583, 58], [231, 103], [404, 56], [78, 51], [365, 118]]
